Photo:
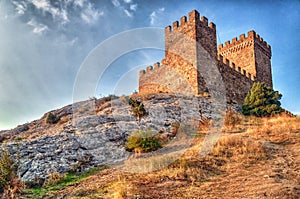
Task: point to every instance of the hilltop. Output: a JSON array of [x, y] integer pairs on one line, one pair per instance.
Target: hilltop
[[83, 154]]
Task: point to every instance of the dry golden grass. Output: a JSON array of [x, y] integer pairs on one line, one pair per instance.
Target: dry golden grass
[[232, 119], [64, 119], [54, 178], [280, 129], [257, 158], [239, 148], [121, 188]]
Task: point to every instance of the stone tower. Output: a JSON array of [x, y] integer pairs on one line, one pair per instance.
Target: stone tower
[[191, 50], [252, 54], [181, 42]]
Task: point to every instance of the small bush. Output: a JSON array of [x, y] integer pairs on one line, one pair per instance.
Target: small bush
[[142, 141], [54, 178], [176, 125], [110, 97], [52, 118], [64, 119], [232, 119], [10, 184], [138, 109], [174, 128]]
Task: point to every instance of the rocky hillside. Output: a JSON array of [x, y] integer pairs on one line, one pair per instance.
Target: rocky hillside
[[253, 158], [92, 133], [79, 152]]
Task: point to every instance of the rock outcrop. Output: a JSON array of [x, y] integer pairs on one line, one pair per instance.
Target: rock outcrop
[[94, 132]]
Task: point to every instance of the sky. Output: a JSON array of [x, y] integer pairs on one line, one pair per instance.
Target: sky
[[44, 45]]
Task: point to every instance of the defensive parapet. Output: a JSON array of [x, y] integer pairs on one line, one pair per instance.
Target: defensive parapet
[[236, 68], [251, 53], [194, 16], [150, 69], [190, 31], [190, 46], [236, 44], [182, 41]]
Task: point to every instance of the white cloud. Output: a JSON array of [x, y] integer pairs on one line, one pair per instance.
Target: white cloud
[[161, 9], [154, 15], [45, 6], [38, 28], [90, 14], [64, 16], [74, 41], [129, 14], [20, 7], [133, 7], [127, 1], [79, 3], [116, 3], [41, 4]]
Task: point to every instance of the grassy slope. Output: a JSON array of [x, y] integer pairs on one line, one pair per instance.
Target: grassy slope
[[258, 158]]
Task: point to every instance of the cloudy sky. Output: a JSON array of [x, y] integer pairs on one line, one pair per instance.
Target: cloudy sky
[[44, 44]]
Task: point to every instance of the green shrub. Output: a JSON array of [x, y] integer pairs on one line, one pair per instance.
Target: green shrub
[[52, 118], [110, 97], [142, 141], [138, 109], [262, 101], [7, 169], [10, 184]]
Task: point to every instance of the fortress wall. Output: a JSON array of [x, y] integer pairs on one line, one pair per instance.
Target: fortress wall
[[240, 51], [237, 80], [240, 62], [163, 79], [147, 79], [181, 40], [251, 53], [263, 64], [206, 36]]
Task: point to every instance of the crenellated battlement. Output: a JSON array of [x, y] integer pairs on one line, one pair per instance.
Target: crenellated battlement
[[194, 17], [251, 53], [190, 44], [244, 41], [237, 69], [150, 69]]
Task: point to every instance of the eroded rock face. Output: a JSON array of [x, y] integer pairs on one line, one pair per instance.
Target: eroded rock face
[[97, 138]]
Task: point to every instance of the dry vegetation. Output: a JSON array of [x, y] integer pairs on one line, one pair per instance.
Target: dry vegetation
[[254, 158]]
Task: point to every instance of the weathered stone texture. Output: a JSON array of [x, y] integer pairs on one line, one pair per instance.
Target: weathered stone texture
[[97, 139], [240, 52], [250, 53], [237, 84], [263, 63], [166, 79], [191, 45]]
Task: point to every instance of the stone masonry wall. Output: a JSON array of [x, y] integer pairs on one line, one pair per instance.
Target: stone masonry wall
[[263, 61], [240, 52], [237, 82], [190, 46], [180, 48], [164, 79], [181, 42], [252, 54]]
